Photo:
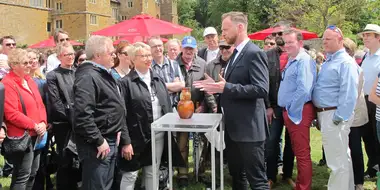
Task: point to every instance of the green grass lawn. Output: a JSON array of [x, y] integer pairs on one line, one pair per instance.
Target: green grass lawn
[[320, 174]]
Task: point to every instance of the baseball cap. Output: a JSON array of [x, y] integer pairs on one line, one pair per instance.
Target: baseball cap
[[189, 41], [209, 30]]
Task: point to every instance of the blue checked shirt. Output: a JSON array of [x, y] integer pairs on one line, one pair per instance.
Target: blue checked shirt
[[168, 71], [298, 79], [337, 84]]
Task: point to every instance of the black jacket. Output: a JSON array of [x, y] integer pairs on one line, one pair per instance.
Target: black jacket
[[247, 85], [138, 102], [99, 111], [274, 76], [202, 53], [58, 105]]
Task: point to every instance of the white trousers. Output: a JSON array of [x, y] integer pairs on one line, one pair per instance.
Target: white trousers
[[338, 156], [129, 178]]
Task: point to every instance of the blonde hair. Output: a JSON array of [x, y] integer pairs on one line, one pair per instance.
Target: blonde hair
[[37, 73], [138, 46], [63, 46], [350, 46], [174, 40], [17, 56], [237, 18]]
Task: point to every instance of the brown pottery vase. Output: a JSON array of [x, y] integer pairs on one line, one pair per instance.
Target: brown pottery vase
[[185, 106]]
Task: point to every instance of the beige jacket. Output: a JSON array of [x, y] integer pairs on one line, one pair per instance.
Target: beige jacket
[[361, 113]]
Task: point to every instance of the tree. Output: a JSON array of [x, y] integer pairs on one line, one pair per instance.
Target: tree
[[186, 16]]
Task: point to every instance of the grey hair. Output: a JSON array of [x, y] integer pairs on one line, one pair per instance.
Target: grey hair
[[174, 40], [292, 31], [96, 44], [138, 46]]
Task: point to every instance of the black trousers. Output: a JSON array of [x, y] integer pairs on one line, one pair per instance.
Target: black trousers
[[97, 173], [246, 161], [355, 145], [371, 145], [67, 177]]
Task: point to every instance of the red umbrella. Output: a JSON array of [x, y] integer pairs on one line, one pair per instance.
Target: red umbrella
[[261, 35], [133, 39], [50, 43], [142, 25]]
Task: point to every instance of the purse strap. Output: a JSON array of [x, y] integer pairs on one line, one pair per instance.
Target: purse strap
[[21, 100]]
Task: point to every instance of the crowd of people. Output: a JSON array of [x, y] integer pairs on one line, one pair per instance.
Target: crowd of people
[[85, 115]]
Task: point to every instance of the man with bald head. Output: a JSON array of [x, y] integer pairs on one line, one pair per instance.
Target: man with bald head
[[335, 96]]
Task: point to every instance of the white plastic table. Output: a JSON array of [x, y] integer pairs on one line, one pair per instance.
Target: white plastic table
[[199, 122]]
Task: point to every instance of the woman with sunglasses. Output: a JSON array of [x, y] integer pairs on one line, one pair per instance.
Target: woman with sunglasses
[[122, 61], [21, 91]]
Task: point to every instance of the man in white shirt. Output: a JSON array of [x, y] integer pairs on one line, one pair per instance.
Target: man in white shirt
[[59, 37], [210, 36]]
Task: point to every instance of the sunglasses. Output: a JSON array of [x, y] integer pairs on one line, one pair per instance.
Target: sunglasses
[[274, 34], [68, 54], [270, 43], [335, 29], [224, 47], [10, 44], [64, 39]]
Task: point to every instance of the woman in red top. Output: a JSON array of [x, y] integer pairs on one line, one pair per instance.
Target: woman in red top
[[18, 83]]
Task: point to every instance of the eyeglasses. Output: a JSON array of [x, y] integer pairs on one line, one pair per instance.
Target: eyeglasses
[[275, 34], [145, 56], [157, 46], [124, 52], [68, 54], [270, 43], [64, 39], [26, 63], [224, 47], [10, 44], [81, 60], [335, 29]]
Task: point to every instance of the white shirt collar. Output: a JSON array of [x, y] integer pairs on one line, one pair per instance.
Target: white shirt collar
[[144, 76], [242, 45]]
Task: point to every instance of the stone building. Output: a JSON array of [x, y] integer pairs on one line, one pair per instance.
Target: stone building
[[31, 21]]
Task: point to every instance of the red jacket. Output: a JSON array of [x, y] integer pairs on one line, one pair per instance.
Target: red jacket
[[16, 121]]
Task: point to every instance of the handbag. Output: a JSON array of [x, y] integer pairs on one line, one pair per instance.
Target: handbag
[[16, 145]]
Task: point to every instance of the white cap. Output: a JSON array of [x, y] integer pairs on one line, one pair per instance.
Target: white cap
[[209, 30]]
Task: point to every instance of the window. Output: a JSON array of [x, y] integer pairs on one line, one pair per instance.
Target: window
[[123, 17], [48, 26], [36, 3], [130, 3], [93, 19], [58, 24], [59, 6], [93, 1], [115, 13], [48, 3]]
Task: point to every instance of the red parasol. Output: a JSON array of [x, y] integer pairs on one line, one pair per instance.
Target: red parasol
[[133, 39], [50, 43], [142, 25], [261, 35]]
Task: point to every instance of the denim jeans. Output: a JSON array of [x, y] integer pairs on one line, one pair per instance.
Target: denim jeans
[[97, 173], [273, 148], [25, 168]]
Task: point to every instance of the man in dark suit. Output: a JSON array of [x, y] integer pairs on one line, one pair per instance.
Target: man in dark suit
[[243, 88]]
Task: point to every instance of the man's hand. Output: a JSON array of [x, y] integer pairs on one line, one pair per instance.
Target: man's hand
[[40, 129], [213, 87], [270, 115], [200, 84], [103, 150], [176, 79], [118, 138], [127, 152], [2, 135]]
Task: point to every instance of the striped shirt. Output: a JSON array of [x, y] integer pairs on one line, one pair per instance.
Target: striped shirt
[[378, 94], [168, 71]]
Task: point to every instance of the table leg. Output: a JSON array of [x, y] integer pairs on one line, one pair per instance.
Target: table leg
[[154, 164], [221, 129], [213, 160], [170, 160]]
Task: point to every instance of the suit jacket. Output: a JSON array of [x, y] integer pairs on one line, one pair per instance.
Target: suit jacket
[[247, 84], [203, 53]]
